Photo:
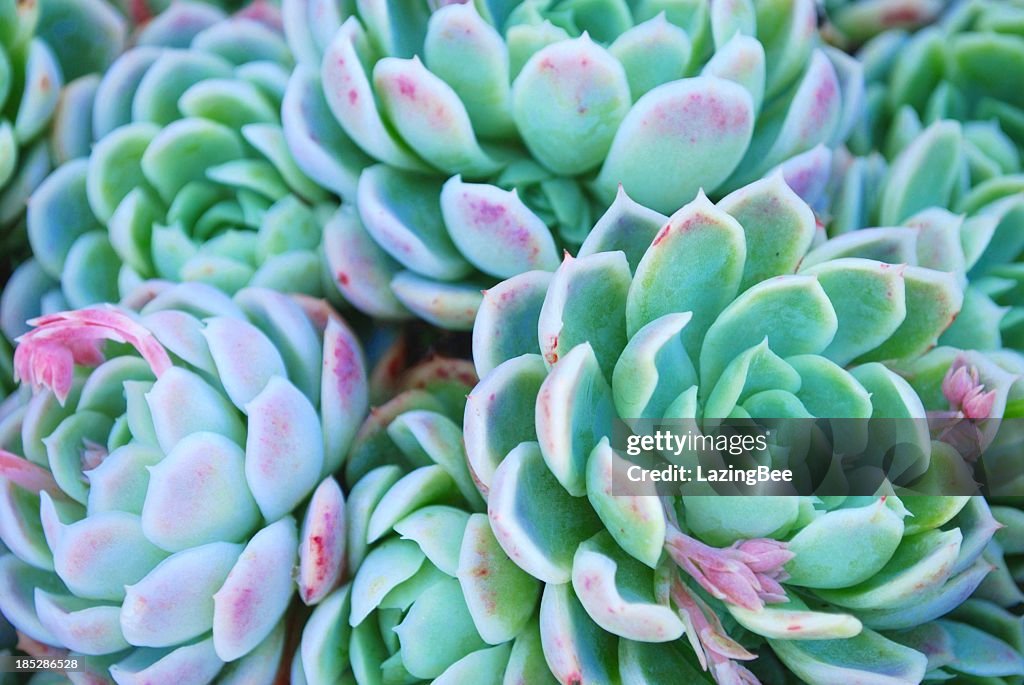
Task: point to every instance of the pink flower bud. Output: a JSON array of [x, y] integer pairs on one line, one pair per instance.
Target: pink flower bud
[[978, 404], [959, 381], [745, 574]]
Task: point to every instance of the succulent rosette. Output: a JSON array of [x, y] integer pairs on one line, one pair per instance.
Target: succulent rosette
[[478, 140], [966, 67], [422, 556], [175, 493], [930, 205], [189, 178], [724, 311], [50, 52]]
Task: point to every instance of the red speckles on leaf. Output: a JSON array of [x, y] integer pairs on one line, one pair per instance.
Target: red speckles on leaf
[[485, 211], [662, 234], [551, 354], [343, 278], [353, 96], [406, 87]]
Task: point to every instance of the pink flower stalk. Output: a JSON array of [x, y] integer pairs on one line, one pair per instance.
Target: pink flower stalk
[[46, 356], [715, 650], [965, 392], [747, 574], [27, 475]]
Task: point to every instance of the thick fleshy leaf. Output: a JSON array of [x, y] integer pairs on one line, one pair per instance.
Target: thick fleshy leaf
[[844, 547], [626, 226], [361, 270], [921, 564], [184, 151], [386, 567], [284, 449], [500, 596], [933, 300], [99, 555], [470, 55], [439, 531], [325, 638], [257, 591], [40, 90], [810, 119], [565, 321], [440, 604], [722, 521], [869, 299], [951, 595], [429, 116], [695, 264], [741, 59], [977, 653], [198, 660], [494, 230], [636, 522], [568, 102], [574, 411], [451, 306], [653, 369], [506, 322], [500, 413], [792, 312], [207, 409], [652, 53], [923, 175], [245, 358], [425, 485], [350, 96], [59, 214], [162, 611], [115, 167], [777, 224], [867, 658], [543, 546], [401, 211], [20, 582], [197, 495], [432, 437], [80, 625], [706, 120], [320, 148], [793, 621], [618, 593], [576, 649], [322, 543]]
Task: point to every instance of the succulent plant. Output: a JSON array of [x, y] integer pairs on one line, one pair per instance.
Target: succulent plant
[[929, 206], [410, 511], [175, 491], [964, 68], [851, 22], [726, 313], [44, 46], [189, 178], [497, 130]]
